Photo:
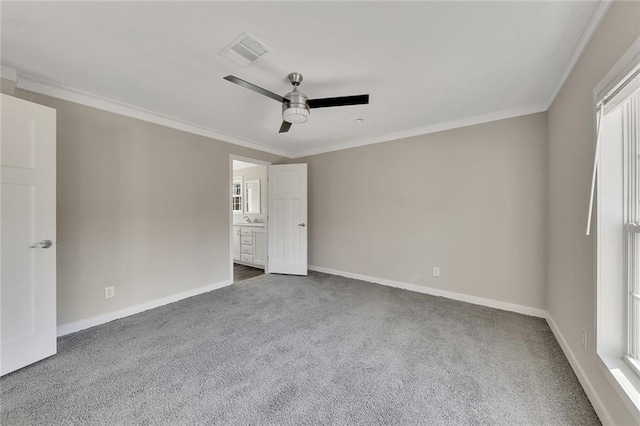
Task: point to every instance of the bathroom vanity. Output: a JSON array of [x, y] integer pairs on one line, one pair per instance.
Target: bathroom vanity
[[250, 244]]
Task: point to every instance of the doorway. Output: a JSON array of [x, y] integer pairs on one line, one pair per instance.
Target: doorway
[[248, 212]]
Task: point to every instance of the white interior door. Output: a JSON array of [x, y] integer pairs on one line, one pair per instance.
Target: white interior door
[[28, 233], [287, 221]]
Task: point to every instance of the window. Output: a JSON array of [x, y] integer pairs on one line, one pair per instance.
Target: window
[[236, 195], [619, 181], [630, 110], [618, 239]]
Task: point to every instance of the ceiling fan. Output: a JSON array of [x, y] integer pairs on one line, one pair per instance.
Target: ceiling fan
[[295, 104]]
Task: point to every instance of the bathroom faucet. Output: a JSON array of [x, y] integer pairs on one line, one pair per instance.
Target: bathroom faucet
[[246, 218]]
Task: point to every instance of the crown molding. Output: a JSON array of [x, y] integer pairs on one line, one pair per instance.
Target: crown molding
[[48, 88], [592, 26], [43, 87], [450, 125], [51, 89], [36, 85]]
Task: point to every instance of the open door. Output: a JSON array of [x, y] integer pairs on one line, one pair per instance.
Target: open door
[[287, 221], [28, 228]]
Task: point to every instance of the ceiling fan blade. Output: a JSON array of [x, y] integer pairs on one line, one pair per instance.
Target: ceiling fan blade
[[247, 85], [285, 127], [339, 101]]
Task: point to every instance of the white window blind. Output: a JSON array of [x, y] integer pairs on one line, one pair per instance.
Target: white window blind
[[617, 176], [609, 101], [631, 170]]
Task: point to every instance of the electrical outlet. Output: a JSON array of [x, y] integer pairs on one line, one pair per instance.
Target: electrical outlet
[[109, 292], [584, 339], [436, 271]]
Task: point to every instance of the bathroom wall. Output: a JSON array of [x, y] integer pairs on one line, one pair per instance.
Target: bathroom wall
[[251, 173]]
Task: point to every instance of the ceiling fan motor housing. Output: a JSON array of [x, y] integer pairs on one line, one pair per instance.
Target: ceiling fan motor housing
[[295, 109]]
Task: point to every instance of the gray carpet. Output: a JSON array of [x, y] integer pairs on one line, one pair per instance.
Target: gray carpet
[[304, 350]]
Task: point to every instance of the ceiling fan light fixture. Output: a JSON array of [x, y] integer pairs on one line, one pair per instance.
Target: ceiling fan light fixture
[[295, 115], [295, 109]]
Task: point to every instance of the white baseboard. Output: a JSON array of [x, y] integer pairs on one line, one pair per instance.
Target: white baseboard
[[600, 408], [505, 306], [101, 319]]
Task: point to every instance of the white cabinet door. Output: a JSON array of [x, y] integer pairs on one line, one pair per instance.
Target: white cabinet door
[[287, 220], [236, 243], [260, 247], [28, 228]]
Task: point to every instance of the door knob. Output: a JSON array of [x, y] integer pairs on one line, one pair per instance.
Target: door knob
[[302, 224], [45, 244]]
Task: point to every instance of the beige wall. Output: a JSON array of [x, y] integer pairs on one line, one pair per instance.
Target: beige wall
[[145, 208], [471, 201], [140, 206], [252, 173], [571, 287]]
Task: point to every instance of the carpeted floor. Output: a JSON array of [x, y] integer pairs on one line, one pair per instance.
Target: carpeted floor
[[304, 350]]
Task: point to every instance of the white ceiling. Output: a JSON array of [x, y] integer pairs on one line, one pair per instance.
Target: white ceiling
[[426, 65]]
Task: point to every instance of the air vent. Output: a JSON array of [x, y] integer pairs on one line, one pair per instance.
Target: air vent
[[244, 49]]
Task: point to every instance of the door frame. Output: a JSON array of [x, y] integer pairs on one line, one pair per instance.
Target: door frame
[[230, 208]]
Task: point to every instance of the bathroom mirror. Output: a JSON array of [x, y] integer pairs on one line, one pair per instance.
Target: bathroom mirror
[[252, 195]]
